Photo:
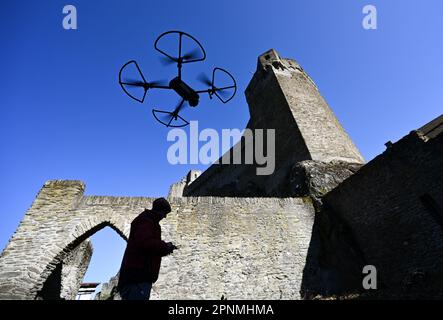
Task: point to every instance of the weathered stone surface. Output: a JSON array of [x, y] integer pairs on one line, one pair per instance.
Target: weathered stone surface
[[316, 178], [65, 280], [394, 208], [74, 268], [177, 189], [239, 247], [109, 290]]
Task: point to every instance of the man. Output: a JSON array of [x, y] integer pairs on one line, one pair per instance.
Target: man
[[143, 254]]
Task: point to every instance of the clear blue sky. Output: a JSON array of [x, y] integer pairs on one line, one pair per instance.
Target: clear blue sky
[[64, 116]]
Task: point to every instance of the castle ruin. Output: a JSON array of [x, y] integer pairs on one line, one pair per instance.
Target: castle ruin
[[306, 230]]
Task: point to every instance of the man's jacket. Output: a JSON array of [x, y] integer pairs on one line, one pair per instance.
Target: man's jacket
[[142, 258]]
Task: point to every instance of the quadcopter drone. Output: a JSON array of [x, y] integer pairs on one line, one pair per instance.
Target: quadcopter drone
[[187, 94]]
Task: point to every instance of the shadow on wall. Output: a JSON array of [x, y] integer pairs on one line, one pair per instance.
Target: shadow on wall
[[392, 210], [334, 263]]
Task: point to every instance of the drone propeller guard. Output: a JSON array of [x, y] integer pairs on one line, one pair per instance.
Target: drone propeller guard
[[234, 86], [155, 113], [180, 57], [123, 84]]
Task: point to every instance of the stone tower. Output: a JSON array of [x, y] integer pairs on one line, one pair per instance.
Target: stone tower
[[281, 96], [280, 85]]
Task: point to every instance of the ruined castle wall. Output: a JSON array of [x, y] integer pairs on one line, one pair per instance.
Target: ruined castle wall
[[74, 268], [35, 249], [176, 189], [393, 206], [239, 247], [322, 133], [65, 279]]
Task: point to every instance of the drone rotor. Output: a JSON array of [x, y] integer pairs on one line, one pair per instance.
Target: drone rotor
[[224, 92], [171, 118], [203, 78], [128, 83], [195, 55]]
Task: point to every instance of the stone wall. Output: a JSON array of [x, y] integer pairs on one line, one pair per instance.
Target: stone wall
[[36, 248], [177, 189], [240, 247], [394, 207], [109, 290], [65, 280], [316, 178], [74, 268]]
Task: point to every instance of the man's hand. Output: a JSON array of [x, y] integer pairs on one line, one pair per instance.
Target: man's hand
[[171, 247]]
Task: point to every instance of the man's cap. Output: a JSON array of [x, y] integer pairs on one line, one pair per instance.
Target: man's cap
[[161, 205]]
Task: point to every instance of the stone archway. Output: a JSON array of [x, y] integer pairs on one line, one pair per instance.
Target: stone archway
[[76, 255], [52, 229]]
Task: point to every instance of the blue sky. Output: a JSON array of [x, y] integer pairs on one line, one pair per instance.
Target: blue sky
[[64, 116]]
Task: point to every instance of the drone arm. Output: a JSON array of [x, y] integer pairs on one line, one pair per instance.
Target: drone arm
[[130, 84], [159, 87], [215, 89], [204, 91]]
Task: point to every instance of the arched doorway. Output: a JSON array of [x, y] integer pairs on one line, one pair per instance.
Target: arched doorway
[[108, 250], [70, 268]]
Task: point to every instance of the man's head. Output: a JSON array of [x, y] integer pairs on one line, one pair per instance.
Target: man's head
[[161, 207]]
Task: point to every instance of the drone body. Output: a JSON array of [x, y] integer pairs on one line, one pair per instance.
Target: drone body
[[183, 90], [187, 94]]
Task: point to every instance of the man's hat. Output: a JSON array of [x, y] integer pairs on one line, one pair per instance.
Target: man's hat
[[161, 205]]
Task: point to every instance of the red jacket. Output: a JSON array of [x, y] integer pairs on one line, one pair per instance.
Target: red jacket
[[144, 251]]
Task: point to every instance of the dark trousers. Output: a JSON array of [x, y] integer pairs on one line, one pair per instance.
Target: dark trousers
[[137, 291]]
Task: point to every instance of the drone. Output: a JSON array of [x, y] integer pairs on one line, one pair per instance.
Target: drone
[[188, 95]]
